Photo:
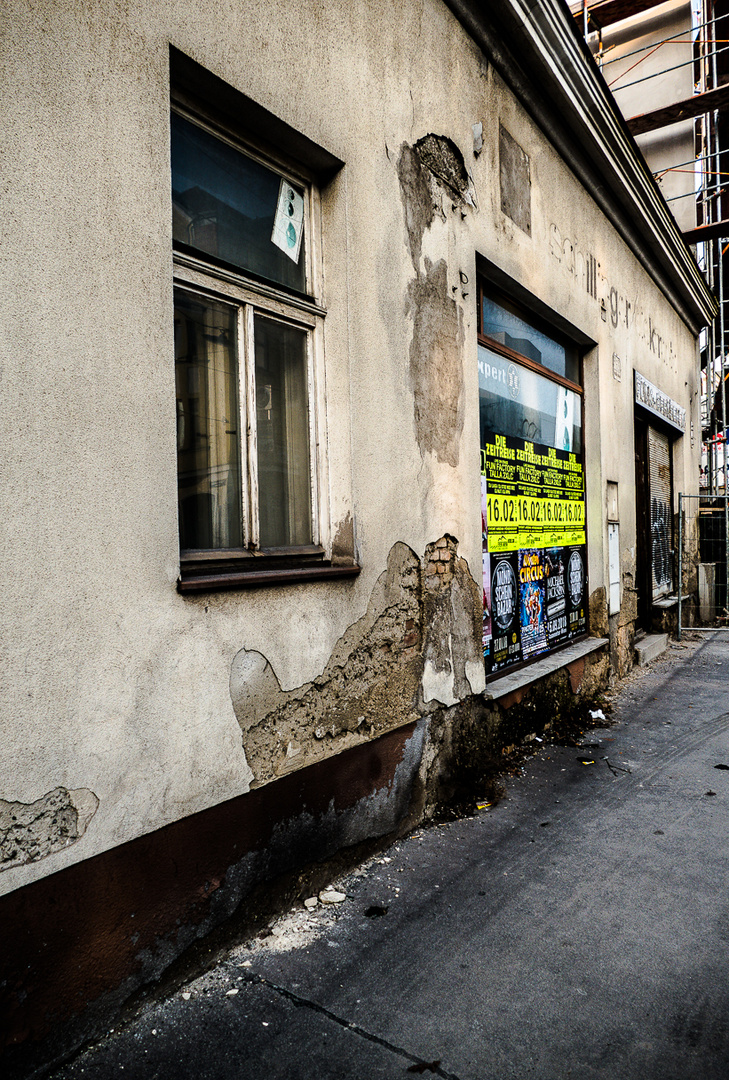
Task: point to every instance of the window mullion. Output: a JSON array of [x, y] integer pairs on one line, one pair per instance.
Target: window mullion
[[314, 470], [243, 428], [248, 405]]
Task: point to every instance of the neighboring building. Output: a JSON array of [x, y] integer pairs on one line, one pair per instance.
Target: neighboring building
[[330, 337], [645, 51], [667, 64]]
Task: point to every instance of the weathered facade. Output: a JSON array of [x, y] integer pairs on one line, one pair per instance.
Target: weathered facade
[[218, 672]]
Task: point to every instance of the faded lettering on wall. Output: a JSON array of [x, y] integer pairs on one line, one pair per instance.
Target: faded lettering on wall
[[615, 307]]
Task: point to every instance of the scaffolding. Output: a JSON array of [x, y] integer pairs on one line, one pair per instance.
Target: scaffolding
[[637, 63]]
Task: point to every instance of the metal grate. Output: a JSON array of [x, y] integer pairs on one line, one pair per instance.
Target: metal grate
[[702, 562]]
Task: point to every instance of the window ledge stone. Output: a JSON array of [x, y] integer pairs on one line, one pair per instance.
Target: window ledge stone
[[251, 579], [517, 680]]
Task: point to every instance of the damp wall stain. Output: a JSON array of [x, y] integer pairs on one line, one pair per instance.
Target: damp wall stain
[[433, 181], [416, 198], [343, 542], [436, 366]]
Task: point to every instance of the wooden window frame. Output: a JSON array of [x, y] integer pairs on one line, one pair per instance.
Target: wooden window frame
[[200, 275], [519, 358]]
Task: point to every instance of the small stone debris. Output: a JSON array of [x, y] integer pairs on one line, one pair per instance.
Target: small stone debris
[[231, 993], [186, 997], [331, 896], [311, 903]]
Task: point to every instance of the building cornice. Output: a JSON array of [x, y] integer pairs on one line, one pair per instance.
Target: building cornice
[[539, 52]]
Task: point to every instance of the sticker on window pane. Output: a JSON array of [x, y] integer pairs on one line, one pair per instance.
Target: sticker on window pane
[[288, 225]]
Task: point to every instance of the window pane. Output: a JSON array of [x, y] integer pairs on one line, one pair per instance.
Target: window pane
[[224, 204], [208, 456], [515, 400], [510, 329], [282, 421]]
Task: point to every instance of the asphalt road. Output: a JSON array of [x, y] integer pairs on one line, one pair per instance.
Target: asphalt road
[[579, 929]]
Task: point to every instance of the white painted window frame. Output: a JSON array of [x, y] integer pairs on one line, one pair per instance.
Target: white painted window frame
[[197, 276]]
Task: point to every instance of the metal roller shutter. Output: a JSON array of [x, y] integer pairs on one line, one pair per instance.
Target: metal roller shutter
[[659, 464]]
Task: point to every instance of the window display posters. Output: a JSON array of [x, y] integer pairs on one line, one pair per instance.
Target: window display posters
[[535, 497], [534, 554], [531, 612], [486, 560], [555, 589], [576, 589], [504, 647], [566, 606]]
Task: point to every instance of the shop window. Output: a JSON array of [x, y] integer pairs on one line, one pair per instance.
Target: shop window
[[532, 486], [502, 322], [248, 343]]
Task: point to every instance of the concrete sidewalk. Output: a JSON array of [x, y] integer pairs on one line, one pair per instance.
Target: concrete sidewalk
[[578, 929]]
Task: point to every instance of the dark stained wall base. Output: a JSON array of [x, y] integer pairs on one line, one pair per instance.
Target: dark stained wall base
[[77, 944]]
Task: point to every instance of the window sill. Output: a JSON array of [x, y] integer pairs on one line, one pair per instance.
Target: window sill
[[517, 680], [666, 603], [251, 579]]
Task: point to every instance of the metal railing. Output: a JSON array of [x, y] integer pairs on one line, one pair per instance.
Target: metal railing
[[703, 560]]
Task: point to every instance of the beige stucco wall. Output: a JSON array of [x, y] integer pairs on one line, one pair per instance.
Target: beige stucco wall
[[115, 686]]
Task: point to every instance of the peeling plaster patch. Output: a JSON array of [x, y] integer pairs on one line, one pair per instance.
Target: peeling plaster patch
[[32, 831], [598, 612], [453, 614], [444, 160], [417, 648], [575, 672], [370, 684], [436, 376], [516, 184], [438, 685], [476, 675], [431, 173]]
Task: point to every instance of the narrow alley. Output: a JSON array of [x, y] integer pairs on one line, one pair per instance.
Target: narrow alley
[[577, 929]]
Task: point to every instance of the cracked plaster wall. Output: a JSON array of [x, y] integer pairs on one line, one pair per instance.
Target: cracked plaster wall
[[416, 648]]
